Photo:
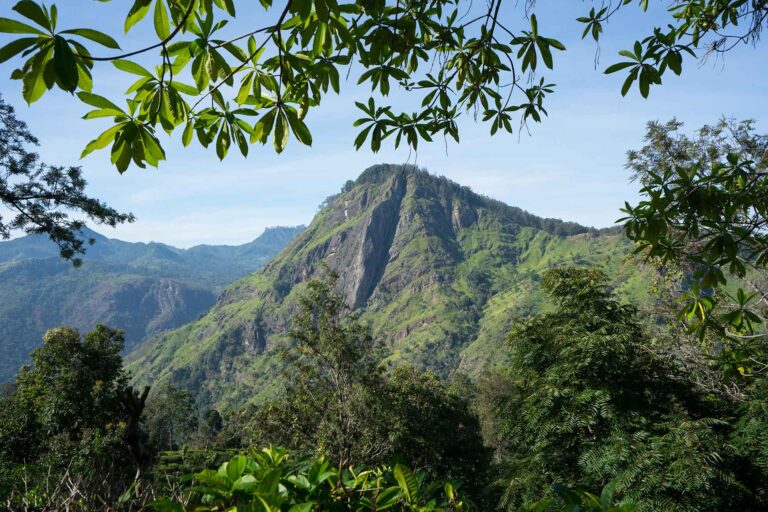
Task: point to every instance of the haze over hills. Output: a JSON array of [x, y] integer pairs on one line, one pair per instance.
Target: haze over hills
[[142, 288], [439, 272]]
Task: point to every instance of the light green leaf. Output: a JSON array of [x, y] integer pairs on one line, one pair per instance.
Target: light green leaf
[[102, 140], [131, 67], [97, 101], [95, 36], [162, 25], [137, 13]]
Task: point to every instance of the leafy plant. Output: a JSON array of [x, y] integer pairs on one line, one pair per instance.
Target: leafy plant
[[572, 500], [704, 211], [41, 199], [266, 481], [277, 72], [593, 403]]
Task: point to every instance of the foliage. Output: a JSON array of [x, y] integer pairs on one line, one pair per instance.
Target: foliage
[[431, 426], [704, 214], [453, 57], [568, 500], [335, 364], [704, 210], [170, 418], [66, 415], [593, 404], [42, 199], [267, 482], [339, 403]]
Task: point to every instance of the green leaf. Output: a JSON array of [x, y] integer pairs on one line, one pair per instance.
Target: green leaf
[[31, 10], [131, 67], [184, 88], [33, 81], [299, 129], [97, 101], [15, 47], [236, 464], [407, 482], [162, 25], [95, 36], [153, 151], [186, 137], [102, 140], [388, 498], [606, 496], [102, 112], [138, 11], [8, 26], [281, 133], [628, 82], [618, 67], [65, 64]]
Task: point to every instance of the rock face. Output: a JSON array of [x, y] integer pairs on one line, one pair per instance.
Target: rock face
[[141, 288], [141, 307], [439, 272]]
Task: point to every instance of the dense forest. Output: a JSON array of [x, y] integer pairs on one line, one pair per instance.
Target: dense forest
[[418, 347]]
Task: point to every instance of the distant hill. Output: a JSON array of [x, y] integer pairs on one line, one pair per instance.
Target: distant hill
[[438, 271], [143, 288]]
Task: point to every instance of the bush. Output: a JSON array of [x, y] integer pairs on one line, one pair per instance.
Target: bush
[[266, 481]]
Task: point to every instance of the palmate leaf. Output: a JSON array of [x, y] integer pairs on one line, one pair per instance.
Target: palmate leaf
[[319, 37]]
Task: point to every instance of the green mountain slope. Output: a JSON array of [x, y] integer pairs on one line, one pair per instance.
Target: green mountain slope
[[439, 271], [141, 288]]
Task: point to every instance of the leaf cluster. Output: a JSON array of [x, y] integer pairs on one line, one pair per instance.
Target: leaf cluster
[[592, 404], [704, 209], [266, 482], [43, 199]]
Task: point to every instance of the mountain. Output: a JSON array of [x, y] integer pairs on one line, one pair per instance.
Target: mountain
[[142, 288], [439, 272]]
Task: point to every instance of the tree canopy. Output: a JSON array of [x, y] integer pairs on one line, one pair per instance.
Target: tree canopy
[[258, 85], [593, 404], [44, 199], [705, 210]]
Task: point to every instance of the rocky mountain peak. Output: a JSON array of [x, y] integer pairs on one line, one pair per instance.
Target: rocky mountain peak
[[438, 271]]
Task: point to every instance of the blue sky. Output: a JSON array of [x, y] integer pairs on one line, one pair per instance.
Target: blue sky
[[571, 166]]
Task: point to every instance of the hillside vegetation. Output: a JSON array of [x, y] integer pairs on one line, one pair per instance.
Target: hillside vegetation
[[143, 288], [436, 269]]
